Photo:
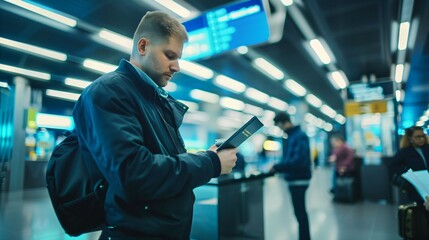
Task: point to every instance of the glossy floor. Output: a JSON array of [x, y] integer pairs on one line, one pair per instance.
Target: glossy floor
[[28, 215]]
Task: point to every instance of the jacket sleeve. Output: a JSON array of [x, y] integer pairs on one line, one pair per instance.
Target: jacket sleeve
[[109, 127]]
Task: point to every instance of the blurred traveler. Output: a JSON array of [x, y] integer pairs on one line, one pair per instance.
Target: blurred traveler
[[413, 154], [343, 158], [296, 168], [129, 124]]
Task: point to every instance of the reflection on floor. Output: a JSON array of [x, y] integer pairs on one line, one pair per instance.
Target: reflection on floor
[[28, 215]]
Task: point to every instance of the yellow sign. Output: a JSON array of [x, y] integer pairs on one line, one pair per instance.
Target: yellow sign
[[31, 118], [356, 108]]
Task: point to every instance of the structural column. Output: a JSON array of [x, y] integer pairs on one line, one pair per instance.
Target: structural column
[[22, 102]]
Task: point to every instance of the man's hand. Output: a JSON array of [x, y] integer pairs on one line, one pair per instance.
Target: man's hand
[[227, 158]]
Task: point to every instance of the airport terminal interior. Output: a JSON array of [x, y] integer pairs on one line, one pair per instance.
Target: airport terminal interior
[[354, 69]]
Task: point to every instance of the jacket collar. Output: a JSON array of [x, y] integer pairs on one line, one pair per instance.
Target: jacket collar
[[178, 109], [126, 66], [292, 130]]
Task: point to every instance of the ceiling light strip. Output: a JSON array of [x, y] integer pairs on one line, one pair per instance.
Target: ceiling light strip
[[62, 95], [79, 83], [26, 72], [98, 66], [42, 10], [175, 7], [230, 84], [295, 88], [320, 50], [195, 70], [33, 49], [268, 68]]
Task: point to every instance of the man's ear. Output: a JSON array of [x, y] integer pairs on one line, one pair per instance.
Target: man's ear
[[142, 45]]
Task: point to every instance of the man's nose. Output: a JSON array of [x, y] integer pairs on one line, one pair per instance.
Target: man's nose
[[175, 66]]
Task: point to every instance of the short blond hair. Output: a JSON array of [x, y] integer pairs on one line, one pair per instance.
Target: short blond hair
[[158, 27]]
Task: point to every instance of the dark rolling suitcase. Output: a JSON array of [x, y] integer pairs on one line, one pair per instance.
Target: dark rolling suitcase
[[413, 222], [345, 189]]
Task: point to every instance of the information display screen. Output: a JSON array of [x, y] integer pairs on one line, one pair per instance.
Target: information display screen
[[225, 28], [370, 91]]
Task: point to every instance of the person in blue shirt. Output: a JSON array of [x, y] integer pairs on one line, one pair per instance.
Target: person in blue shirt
[[295, 166], [130, 126]]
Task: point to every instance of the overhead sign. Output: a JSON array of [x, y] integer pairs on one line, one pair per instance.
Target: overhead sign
[[356, 108], [370, 91], [225, 28]]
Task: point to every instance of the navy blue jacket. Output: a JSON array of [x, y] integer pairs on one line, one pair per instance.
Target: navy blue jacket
[[407, 158], [130, 127], [296, 160]]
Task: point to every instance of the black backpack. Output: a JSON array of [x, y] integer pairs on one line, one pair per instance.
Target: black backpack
[[76, 187]]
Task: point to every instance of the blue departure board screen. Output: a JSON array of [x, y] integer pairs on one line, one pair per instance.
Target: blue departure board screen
[[225, 28]]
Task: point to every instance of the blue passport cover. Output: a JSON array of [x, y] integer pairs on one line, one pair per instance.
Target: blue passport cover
[[242, 134]]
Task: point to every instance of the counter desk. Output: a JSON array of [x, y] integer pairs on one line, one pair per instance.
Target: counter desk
[[230, 207]]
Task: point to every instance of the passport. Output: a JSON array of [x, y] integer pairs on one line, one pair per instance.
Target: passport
[[242, 134]]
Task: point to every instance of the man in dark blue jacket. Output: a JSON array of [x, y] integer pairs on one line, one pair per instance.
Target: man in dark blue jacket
[[129, 124], [296, 168]]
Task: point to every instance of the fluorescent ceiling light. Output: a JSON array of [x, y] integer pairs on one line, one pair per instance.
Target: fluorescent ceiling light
[[309, 117], [116, 38], [196, 117], [403, 35], [248, 108], [424, 118], [399, 72], [242, 50], [295, 87], [287, 2], [319, 122], [399, 95], [328, 127], [175, 7], [54, 121], [33, 49], [195, 70], [231, 103], [328, 111], [257, 95], [338, 79], [291, 110], [4, 85], [79, 83], [278, 104], [204, 96], [193, 106], [171, 87], [340, 119], [228, 122], [412, 36], [42, 10], [28, 73], [62, 95], [98, 66], [268, 69], [320, 51], [313, 100], [229, 83]]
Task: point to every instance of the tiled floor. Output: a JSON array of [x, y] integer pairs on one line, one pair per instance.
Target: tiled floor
[[28, 215]]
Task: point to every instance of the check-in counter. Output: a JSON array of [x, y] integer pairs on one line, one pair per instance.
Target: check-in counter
[[230, 207]]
